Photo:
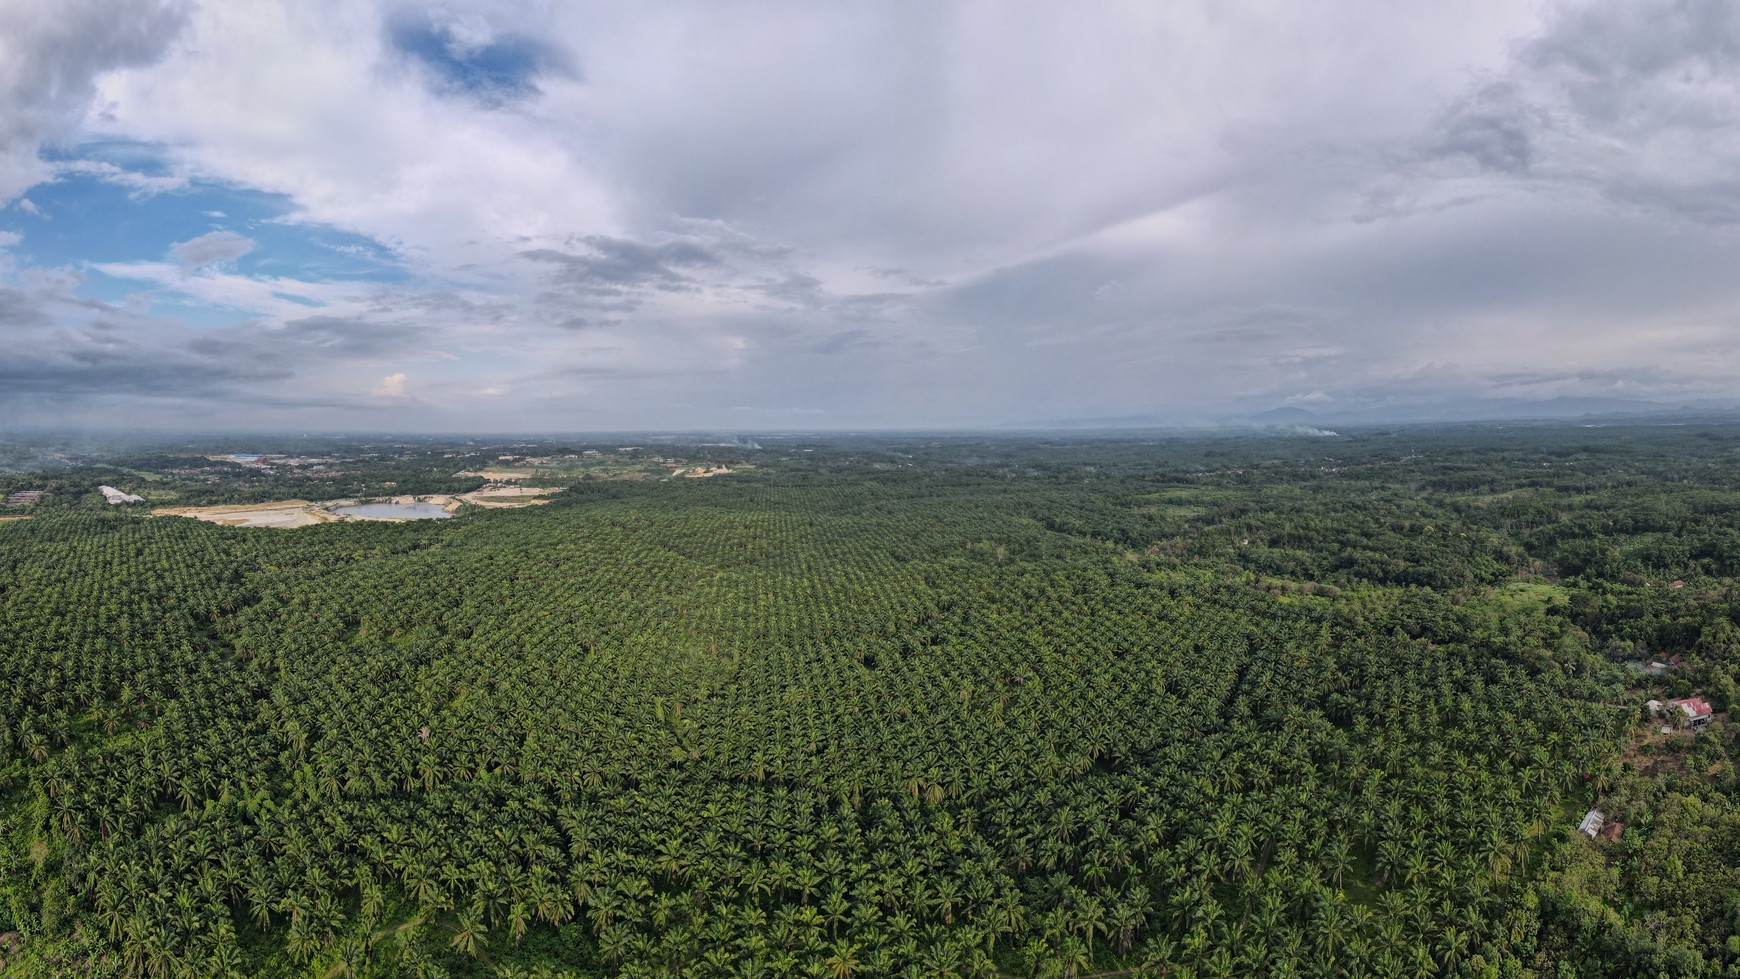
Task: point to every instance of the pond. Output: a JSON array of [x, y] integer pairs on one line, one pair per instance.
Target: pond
[[395, 511]]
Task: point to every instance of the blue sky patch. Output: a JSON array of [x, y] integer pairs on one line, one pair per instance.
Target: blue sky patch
[[300, 300], [116, 203], [133, 156], [93, 216], [501, 70]]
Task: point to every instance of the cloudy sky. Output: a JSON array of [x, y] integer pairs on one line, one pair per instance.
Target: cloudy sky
[[773, 215]]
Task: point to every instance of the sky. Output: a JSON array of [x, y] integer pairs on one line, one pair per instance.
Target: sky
[[572, 216]]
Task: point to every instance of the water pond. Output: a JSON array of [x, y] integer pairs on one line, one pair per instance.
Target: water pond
[[395, 511]]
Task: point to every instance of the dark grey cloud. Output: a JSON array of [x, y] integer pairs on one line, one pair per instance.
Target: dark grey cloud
[[907, 278], [605, 372], [1637, 101], [794, 287], [471, 308], [576, 323], [847, 341], [1269, 328], [309, 341], [617, 267], [1494, 128], [19, 308], [908, 214], [78, 359], [1609, 46], [116, 357]]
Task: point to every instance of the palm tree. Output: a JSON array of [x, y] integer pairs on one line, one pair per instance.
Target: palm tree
[[470, 936], [843, 962]]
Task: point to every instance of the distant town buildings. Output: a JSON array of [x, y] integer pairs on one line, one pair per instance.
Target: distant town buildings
[[267, 460]]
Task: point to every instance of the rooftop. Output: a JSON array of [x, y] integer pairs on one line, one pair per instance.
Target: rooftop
[[1695, 706]]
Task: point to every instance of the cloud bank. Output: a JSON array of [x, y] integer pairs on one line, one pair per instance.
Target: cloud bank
[[784, 215]]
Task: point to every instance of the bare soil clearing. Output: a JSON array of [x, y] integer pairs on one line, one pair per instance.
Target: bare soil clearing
[[283, 513], [302, 513], [509, 496]]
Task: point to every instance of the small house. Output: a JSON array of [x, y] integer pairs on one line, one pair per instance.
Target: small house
[[1698, 711], [1592, 822], [115, 496]]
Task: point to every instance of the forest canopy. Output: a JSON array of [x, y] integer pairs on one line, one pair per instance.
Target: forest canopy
[[881, 706]]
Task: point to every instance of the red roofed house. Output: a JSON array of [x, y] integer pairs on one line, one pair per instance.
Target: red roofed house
[[1697, 710]]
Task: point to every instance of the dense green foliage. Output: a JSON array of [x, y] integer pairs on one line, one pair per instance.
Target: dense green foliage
[[897, 707]]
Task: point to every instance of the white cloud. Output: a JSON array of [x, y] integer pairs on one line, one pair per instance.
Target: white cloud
[[392, 386], [52, 56], [1635, 100], [10, 238], [210, 248], [142, 185], [906, 214]]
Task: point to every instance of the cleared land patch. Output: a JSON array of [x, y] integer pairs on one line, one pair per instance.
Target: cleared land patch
[[283, 513], [302, 513], [509, 496]]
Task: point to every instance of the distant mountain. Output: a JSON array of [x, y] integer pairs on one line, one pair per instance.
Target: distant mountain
[[1322, 418], [1110, 421], [1502, 408], [1483, 409], [1288, 415]]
